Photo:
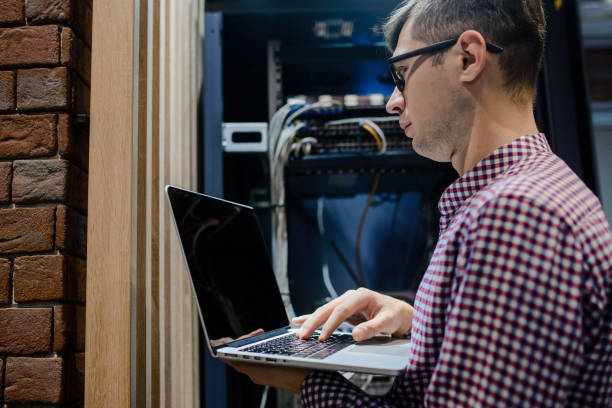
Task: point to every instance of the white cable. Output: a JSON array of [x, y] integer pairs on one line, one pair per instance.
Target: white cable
[[281, 136], [318, 105], [275, 126], [264, 397], [302, 148], [368, 381], [300, 111], [325, 268], [377, 129]]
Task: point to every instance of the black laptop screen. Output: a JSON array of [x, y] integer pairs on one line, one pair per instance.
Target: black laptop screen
[[229, 265]]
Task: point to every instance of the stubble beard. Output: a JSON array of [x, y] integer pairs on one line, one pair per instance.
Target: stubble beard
[[443, 135]]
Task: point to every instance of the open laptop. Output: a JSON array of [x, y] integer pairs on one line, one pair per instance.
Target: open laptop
[[236, 292]]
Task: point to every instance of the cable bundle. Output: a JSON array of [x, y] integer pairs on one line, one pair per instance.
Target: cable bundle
[[282, 132]]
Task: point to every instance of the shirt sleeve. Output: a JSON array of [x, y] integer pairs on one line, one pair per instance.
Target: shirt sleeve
[[513, 322]]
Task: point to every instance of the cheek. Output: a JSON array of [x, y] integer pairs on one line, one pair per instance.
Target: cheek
[[419, 100]]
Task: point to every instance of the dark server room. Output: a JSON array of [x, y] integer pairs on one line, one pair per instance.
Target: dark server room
[[295, 126]]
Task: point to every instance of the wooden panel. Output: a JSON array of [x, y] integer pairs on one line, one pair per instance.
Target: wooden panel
[[144, 133], [156, 196], [109, 234]]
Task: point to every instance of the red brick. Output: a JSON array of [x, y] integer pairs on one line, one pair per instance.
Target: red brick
[[26, 230], [68, 328], [25, 331], [71, 231], [27, 136], [6, 172], [44, 88], [73, 141], [5, 281], [76, 13], [40, 278], [40, 181], [75, 54], [34, 380], [49, 11], [12, 12], [28, 46], [49, 278], [7, 90], [48, 181]]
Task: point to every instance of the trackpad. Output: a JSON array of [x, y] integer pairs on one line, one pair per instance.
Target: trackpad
[[382, 345]]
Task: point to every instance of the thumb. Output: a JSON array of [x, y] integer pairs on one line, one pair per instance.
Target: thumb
[[253, 333], [366, 330]]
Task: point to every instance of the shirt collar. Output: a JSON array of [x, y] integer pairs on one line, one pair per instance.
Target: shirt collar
[[485, 171]]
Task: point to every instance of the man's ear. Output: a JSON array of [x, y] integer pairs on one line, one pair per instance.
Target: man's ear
[[473, 48]]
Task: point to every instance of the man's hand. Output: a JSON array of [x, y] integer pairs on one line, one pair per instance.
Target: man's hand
[[225, 340], [274, 376], [383, 315]]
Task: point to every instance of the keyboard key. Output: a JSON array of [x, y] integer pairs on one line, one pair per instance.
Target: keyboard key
[[292, 346]]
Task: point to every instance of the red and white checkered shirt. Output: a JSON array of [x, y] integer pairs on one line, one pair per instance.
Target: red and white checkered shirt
[[515, 308]]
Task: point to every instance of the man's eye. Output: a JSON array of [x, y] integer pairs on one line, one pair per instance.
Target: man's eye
[[401, 71]]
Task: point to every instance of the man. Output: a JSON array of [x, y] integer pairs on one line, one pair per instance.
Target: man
[[515, 308]]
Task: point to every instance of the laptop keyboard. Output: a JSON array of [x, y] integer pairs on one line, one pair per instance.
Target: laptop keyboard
[[290, 345]]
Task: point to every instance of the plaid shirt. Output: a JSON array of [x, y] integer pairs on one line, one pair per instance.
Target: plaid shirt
[[515, 308]]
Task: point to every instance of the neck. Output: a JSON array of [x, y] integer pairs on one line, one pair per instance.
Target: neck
[[496, 122]]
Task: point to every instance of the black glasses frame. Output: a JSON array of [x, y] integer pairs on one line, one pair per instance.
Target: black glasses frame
[[400, 83]]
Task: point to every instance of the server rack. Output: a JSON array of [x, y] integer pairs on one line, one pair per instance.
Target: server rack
[[254, 54]]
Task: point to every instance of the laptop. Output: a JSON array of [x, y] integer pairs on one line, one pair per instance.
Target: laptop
[[236, 292]]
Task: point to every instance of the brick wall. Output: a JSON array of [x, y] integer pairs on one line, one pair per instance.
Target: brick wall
[[44, 106]]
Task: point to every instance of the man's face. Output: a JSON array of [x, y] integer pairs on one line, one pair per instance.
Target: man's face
[[433, 110]]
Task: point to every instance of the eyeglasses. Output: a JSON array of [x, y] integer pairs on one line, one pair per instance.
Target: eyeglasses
[[398, 77]]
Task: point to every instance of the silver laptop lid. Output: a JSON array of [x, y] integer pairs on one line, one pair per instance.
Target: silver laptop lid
[[228, 263]]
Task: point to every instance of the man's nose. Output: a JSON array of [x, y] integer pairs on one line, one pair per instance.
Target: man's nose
[[396, 104]]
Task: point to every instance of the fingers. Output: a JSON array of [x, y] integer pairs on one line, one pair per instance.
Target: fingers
[[335, 312], [300, 319], [387, 315], [225, 340], [354, 302], [221, 341], [317, 318]]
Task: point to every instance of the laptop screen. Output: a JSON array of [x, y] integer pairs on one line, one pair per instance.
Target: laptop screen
[[229, 265]]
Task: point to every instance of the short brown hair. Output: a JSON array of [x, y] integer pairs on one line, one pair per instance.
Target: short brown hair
[[517, 25]]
